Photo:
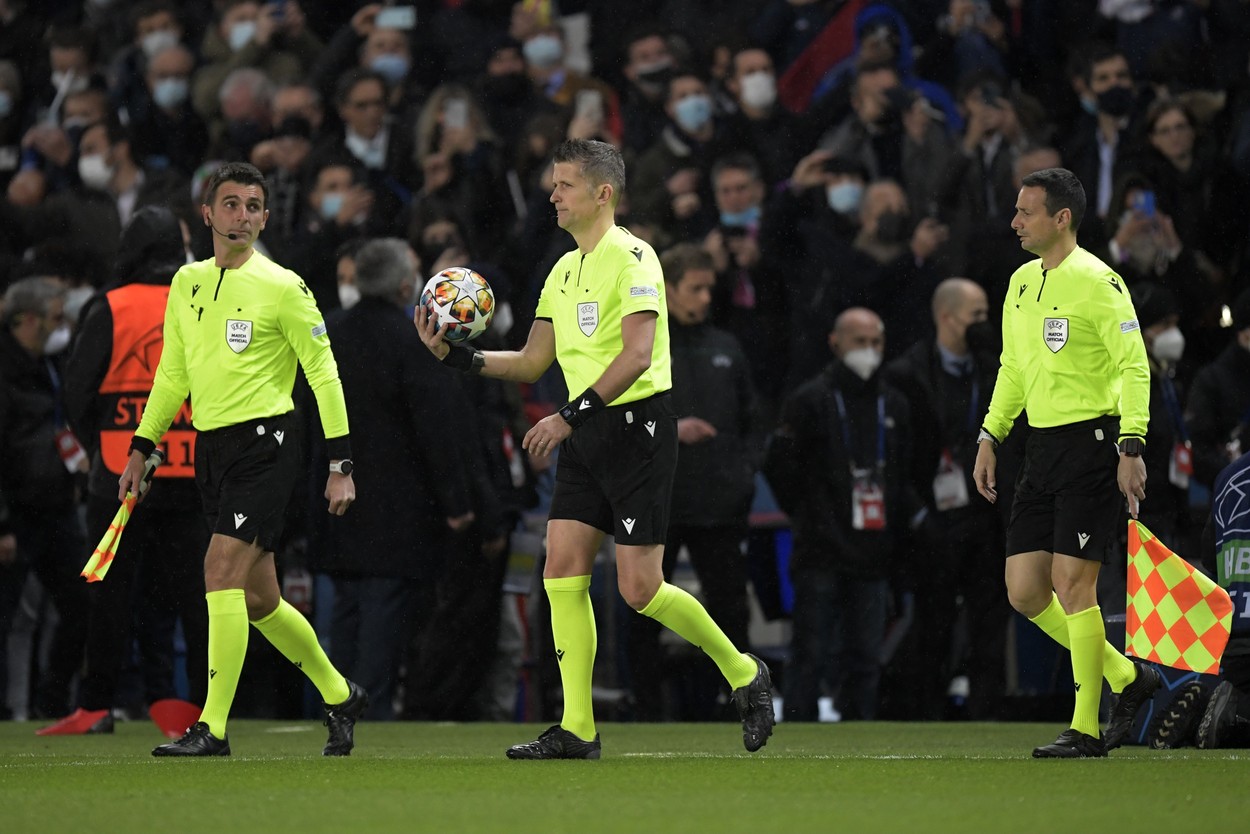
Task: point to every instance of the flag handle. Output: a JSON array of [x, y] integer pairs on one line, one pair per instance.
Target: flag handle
[[149, 469]]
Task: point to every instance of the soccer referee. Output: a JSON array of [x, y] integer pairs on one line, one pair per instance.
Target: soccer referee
[[1074, 359], [235, 327], [602, 314]]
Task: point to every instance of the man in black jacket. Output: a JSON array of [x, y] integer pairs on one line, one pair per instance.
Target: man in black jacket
[[37, 482], [157, 575], [959, 547], [385, 556], [1218, 407], [715, 402], [838, 465]]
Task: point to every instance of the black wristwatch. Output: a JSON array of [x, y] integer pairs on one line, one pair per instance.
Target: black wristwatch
[[343, 467], [1132, 447]]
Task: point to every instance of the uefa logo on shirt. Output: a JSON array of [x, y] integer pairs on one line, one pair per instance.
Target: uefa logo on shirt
[[1055, 333], [238, 334], [588, 317]]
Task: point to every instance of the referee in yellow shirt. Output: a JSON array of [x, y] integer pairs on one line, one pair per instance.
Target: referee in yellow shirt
[[1074, 359], [602, 314]]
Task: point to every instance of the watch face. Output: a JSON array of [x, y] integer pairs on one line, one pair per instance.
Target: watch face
[[344, 467]]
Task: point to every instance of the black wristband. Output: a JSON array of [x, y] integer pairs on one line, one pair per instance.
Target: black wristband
[[1132, 447], [580, 409], [468, 360], [142, 444], [339, 448]]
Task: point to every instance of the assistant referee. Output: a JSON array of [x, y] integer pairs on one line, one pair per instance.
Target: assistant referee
[[602, 314], [1074, 359], [235, 327]]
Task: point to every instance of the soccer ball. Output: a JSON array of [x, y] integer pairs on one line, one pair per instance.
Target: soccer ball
[[461, 299]]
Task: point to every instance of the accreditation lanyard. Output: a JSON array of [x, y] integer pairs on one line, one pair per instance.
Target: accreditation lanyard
[[867, 489], [67, 446], [846, 429], [1181, 464]]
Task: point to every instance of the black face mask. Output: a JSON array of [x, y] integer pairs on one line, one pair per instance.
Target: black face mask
[[655, 79], [982, 338], [893, 227], [1116, 101], [506, 87]]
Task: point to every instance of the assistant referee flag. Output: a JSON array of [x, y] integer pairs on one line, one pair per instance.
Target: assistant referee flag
[[1175, 615]]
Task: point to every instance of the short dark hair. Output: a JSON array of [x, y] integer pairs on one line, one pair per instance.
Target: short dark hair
[[600, 162], [682, 258], [1099, 52], [241, 172], [737, 161], [1063, 191], [350, 78]]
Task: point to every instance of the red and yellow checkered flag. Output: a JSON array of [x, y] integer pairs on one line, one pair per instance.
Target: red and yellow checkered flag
[[1175, 615]]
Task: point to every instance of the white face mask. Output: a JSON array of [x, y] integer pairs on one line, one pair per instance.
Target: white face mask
[[863, 362], [94, 172], [502, 321], [57, 341], [1169, 346], [349, 296], [759, 89], [241, 34]]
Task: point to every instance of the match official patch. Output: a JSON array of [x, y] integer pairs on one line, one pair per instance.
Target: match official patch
[[319, 330], [650, 291], [1129, 326]]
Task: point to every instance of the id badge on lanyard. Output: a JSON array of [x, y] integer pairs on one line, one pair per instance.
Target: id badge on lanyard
[[1181, 464], [867, 500], [950, 488]]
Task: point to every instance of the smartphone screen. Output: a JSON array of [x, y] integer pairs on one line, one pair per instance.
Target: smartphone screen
[[589, 104], [455, 113], [397, 17]]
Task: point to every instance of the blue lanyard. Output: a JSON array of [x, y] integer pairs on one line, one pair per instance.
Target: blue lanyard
[[57, 415], [846, 428], [1174, 407], [973, 422]]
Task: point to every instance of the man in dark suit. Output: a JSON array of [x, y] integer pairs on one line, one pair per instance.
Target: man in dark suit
[[385, 558]]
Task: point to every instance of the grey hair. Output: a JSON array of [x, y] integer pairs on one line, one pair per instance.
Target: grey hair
[[256, 82], [30, 295], [382, 267]]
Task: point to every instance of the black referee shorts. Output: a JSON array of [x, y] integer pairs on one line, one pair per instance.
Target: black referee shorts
[[246, 473], [615, 472], [1067, 498]]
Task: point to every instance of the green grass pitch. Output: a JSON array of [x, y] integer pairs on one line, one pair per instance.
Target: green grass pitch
[[410, 777]]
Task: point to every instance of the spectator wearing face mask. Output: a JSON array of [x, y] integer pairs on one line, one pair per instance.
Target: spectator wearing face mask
[[1144, 246], [42, 458], [154, 26], [838, 465], [269, 37], [544, 53], [340, 208], [648, 66], [168, 133], [760, 124], [673, 186], [1169, 454]]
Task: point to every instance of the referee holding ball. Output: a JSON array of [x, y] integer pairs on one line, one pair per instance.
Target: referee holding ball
[[1074, 359], [602, 314]]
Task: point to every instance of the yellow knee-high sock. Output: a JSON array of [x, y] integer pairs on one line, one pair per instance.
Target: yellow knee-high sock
[[227, 646], [573, 628], [291, 634], [1116, 668], [682, 613], [1087, 635]]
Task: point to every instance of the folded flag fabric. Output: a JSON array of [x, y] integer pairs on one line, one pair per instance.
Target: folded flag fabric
[[102, 557], [98, 565], [1175, 615]]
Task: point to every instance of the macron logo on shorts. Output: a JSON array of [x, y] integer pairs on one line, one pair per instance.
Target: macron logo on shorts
[[278, 435], [1083, 538], [239, 518], [650, 426], [629, 524]]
